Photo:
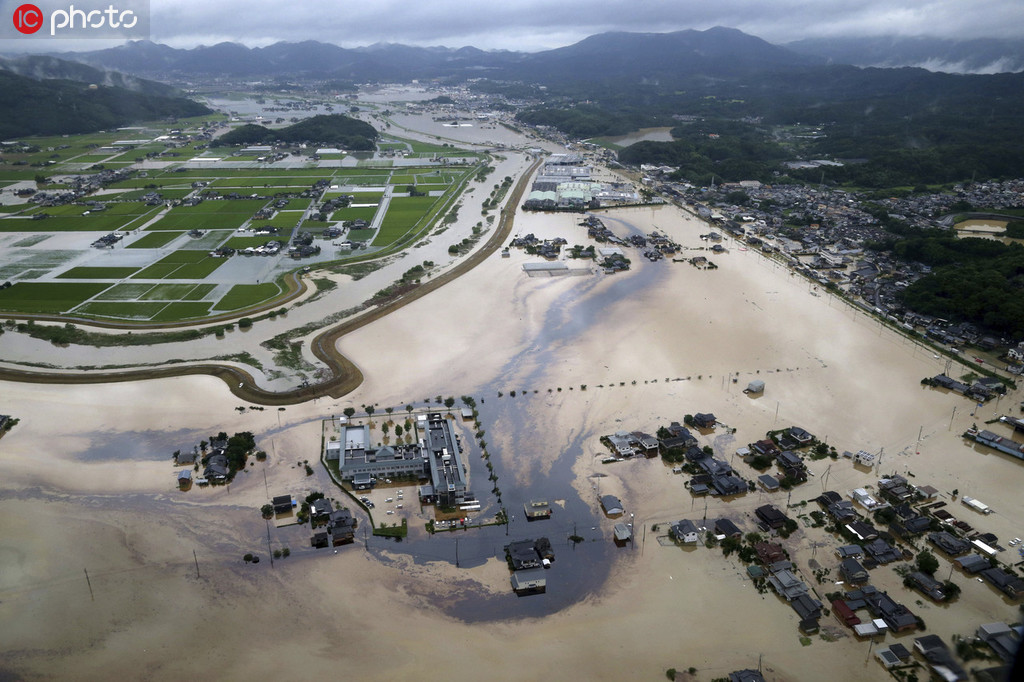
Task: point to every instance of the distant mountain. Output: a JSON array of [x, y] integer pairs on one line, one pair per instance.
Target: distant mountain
[[654, 57], [337, 129], [57, 107], [386, 62], [980, 56], [607, 56], [43, 67]]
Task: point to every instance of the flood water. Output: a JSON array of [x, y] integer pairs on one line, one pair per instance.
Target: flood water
[[578, 570], [985, 229], [642, 135]]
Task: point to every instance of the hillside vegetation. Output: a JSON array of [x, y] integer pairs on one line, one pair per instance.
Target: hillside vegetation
[[59, 107], [336, 129]]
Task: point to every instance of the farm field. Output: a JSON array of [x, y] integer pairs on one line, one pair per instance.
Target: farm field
[[183, 264], [46, 297], [404, 214], [154, 240], [157, 273], [245, 295], [97, 273]]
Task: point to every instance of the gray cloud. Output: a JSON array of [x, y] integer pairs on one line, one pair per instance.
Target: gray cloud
[[540, 24]]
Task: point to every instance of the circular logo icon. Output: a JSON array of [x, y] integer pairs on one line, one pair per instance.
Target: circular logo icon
[[28, 19]]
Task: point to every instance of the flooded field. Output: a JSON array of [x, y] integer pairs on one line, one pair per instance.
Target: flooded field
[[586, 356], [642, 135]]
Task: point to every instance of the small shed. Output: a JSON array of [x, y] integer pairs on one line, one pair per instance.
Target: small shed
[[755, 387], [282, 504], [529, 581], [612, 505], [622, 533]]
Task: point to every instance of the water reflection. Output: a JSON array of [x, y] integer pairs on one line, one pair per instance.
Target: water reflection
[[579, 569]]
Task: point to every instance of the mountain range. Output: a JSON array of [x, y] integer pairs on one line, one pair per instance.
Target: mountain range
[[606, 57], [978, 56]]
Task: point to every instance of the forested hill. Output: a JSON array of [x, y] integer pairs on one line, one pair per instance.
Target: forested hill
[[59, 107], [974, 280], [336, 129]]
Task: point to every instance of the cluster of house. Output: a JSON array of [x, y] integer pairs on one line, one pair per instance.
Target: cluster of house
[[983, 388], [718, 477], [654, 246], [108, 241], [526, 559], [837, 229], [883, 613], [333, 204], [78, 186], [613, 508], [956, 539], [782, 450], [546, 248], [626, 444], [977, 562], [1000, 637], [268, 212], [783, 579], [215, 462], [339, 524]]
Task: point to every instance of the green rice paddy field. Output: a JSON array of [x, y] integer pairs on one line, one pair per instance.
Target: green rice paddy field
[[190, 288]]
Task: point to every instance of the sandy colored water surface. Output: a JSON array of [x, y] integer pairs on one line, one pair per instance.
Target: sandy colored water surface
[[75, 496]]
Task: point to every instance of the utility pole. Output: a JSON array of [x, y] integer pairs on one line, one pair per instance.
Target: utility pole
[[194, 557], [919, 432], [951, 418], [265, 484], [269, 551], [89, 583], [457, 553]]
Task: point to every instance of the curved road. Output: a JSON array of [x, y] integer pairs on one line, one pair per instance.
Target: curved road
[[345, 376]]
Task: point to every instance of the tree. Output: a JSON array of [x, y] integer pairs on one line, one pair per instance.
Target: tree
[[267, 510], [369, 410], [408, 408], [389, 410], [449, 402], [927, 563], [398, 430], [349, 411]]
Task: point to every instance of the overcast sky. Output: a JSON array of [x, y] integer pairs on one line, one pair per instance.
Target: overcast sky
[[530, 25]]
